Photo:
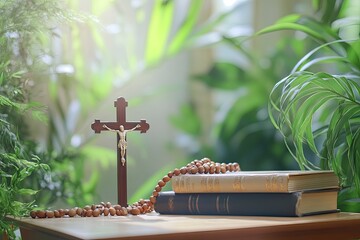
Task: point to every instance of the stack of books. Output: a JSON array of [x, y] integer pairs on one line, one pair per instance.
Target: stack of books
[[252, 193]]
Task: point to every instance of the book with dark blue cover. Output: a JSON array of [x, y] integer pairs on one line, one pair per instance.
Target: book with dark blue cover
[[248, 204]]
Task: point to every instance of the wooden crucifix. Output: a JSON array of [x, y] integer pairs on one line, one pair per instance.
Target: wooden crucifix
[[121, 127]]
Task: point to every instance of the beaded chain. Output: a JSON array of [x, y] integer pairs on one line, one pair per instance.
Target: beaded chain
[[203, 166]]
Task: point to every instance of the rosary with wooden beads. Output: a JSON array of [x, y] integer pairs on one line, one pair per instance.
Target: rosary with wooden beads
[[203, 166]]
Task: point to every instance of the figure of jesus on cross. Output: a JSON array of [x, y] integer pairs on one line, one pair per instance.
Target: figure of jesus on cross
[[121, 127], [122, 144]]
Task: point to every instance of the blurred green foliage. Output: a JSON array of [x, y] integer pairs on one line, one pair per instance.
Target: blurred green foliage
[[21, 24]]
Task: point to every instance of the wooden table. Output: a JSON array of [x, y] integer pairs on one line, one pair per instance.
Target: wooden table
[[153, 226]]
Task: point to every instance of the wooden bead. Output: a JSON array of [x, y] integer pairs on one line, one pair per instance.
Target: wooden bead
[[223, 169], [217, 169], [145, 207], [176, 172], [41, 214], [158, 188], [194, 170], [106, 211], [183, 170], [66, 211], [72, 212], [206, 168], [62, 212], [237, 166], [57, 214], [118, 212], [112, 211], [153, 199], [201, 169], [161, 183], [206, 160], [96, 212], [108, 204], [170, 174], [117, 207], [87, 207], [140, 209], [79, 211], [49, 214], [33, 214], [128, 208], [155, 193], [228, 167], [124, 211], [166, 179], [212, 169], [89, 213], [84, 213], [135, 211]]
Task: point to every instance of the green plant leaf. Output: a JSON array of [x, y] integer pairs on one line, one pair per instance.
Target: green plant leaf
[[307, 57], [223, 75], [99, 155], [319, 31], [291, 26], [248, 102], [187, 120], [27, 191], [186, 27], [90, 185], [159, 30], [354, 54]]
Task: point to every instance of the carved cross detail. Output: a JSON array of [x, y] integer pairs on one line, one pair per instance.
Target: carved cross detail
[[121, 126]]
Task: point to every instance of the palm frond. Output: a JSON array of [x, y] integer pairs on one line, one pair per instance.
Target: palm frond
[[305, 97]]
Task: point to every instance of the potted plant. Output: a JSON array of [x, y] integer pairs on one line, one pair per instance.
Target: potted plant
[[317, 106]]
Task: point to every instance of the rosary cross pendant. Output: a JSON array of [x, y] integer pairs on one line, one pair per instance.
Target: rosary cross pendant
[[121, 127]]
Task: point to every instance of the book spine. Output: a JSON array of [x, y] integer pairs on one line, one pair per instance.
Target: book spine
[[244, 204], [229, 183]]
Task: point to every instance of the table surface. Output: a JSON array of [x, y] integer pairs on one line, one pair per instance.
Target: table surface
[[155, 226]]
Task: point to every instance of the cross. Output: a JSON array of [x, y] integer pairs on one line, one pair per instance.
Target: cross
[[121, 124]]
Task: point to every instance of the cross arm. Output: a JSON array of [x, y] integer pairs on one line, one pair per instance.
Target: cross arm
[[144, 126], [98, 126]]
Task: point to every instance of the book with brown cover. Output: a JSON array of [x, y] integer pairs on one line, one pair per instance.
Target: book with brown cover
[[255, 181], [248, 204]]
